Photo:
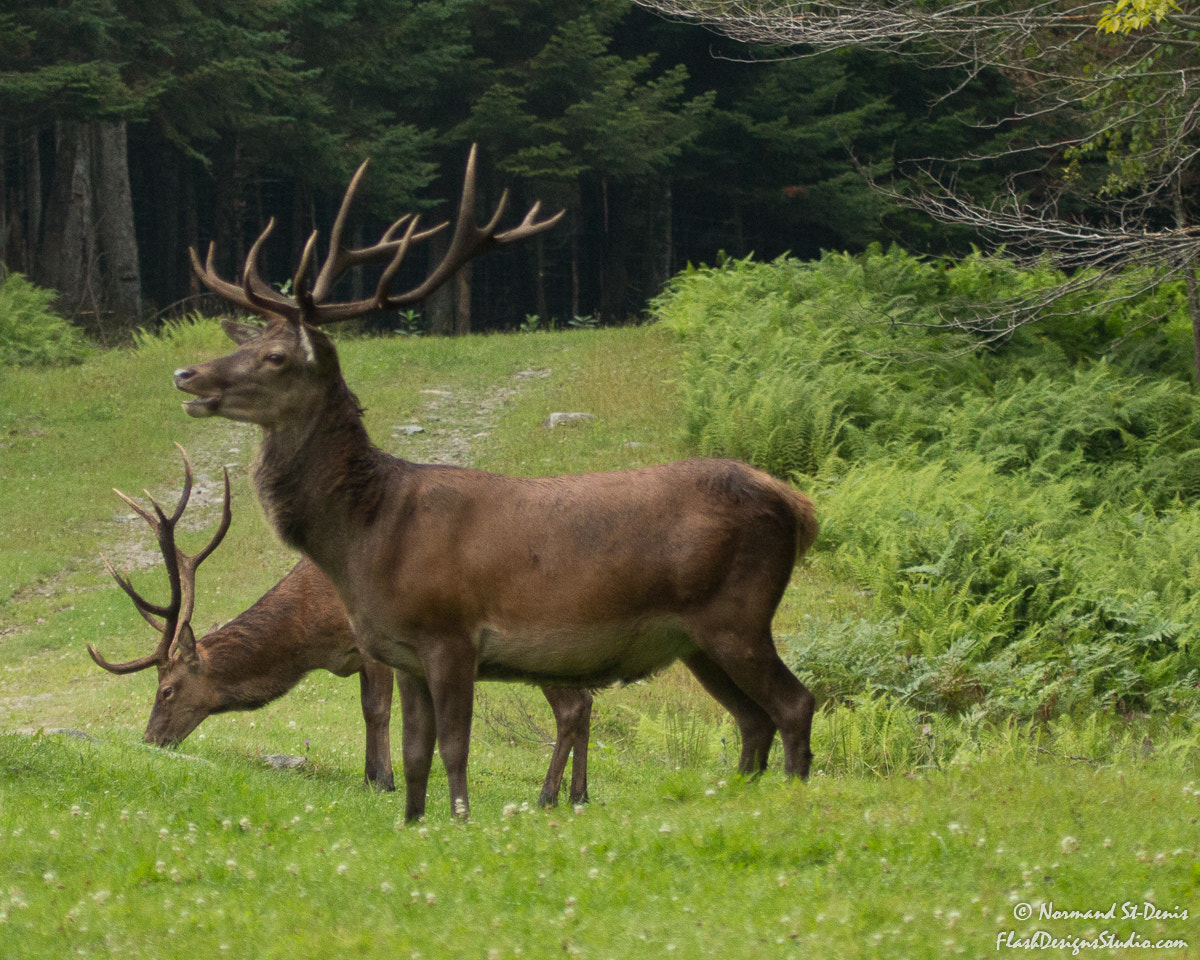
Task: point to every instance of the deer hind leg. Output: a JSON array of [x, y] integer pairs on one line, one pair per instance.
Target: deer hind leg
[[572, 721], [755, 725], [583, 733], [375, 682], [755, 668], [417, 739]]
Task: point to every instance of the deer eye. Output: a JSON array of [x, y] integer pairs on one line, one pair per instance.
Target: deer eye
[[275, 358], [166, 693]]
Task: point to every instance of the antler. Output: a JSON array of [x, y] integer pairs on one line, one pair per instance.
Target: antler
[[176, 614], [468, 241]]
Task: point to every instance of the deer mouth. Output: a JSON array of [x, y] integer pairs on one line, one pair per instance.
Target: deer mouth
[[202, 406]]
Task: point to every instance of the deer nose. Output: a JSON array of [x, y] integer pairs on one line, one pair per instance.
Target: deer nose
[[183, 375]]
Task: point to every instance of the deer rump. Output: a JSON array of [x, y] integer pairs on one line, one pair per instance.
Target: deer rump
[[579, 580]]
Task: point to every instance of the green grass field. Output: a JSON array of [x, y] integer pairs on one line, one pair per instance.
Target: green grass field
[[918, 835]]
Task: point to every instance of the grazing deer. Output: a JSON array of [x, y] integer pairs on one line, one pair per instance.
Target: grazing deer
[[452, 574], [299, 625]]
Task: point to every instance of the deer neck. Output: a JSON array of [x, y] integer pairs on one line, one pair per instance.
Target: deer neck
[[317, 474], [256, 658]]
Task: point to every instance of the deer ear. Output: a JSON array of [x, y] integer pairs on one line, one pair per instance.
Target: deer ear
[[240, 333]]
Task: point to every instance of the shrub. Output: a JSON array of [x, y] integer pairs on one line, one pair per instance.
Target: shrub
[[30, 332], [980, 500]]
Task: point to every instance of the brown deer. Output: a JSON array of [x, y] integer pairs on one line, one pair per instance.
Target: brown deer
[[452, 574], [298, 626]]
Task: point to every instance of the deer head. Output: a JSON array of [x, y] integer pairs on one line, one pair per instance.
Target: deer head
[[185, 694], [277, 375]]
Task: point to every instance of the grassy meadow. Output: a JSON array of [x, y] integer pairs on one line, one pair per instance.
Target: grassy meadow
[[921, 834]]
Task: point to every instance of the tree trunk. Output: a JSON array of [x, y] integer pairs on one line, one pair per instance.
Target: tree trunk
[[539, 282], [114, 222], [614, 274], [3, 206], [462, 300], [574, 220], [191, 222], [668, 253], [32, 153], [439, 307], [66, 253]]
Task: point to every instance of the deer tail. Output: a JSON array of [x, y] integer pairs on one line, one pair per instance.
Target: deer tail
[[806, 521]]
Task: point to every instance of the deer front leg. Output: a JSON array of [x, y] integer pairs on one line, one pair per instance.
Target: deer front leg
[[375, 681], [416, 742], [450, 673]]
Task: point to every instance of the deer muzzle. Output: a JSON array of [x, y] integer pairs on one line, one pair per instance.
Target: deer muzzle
[[203, 405]]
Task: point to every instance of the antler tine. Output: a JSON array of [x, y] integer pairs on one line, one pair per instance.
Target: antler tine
[[389, 273], [331, 313], [130, 666], [253, 293], [341, 258], [223, 288], [137, 508], [300, 277], [147, 609], [387, 246], [257, 290], [164, 531], [333, 266], [529, 227], [226, 519], [470, 240], [184, 496]]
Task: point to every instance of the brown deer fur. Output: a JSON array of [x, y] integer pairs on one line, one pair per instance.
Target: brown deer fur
[[451, 574]]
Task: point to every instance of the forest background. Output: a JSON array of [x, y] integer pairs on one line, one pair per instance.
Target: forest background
[[131, 131]]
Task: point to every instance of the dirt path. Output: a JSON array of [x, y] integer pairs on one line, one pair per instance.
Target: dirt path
[[451, 419]]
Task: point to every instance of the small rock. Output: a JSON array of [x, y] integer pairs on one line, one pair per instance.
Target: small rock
[[555, 419], [284, 761], [407, 429]]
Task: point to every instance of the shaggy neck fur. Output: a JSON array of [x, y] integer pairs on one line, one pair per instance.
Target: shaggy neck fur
[[320, 477]]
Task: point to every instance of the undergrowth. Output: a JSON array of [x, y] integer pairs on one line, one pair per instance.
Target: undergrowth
[[1021, 521], [30, 332]]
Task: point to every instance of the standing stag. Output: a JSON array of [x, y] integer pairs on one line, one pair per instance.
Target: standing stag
[[452, 574], [299, 625]]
